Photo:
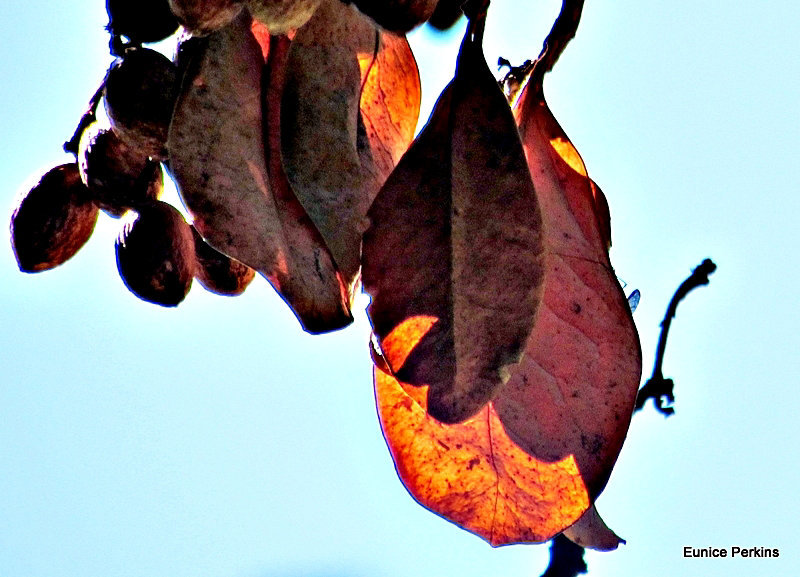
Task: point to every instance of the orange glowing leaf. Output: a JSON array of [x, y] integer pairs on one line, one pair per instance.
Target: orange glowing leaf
[[473, 474], [389, 109], [532, 461], [455, 234], [217, 157]]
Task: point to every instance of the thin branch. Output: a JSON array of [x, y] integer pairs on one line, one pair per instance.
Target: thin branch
[[566, 559], [657, 387], [564, 29], [88, 117]]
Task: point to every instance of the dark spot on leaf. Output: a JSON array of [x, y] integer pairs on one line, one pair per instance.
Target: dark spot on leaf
[[592, 444]]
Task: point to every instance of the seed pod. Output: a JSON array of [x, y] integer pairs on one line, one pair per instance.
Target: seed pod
[[155, 255], [446, 14], [140, 93], [201, 17], [53, 220], [118, 176], [399, 16], [280, 16], [141, 20], [218, 272]]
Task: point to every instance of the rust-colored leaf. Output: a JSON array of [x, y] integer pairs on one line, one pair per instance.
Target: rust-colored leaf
[[529, 464], [389, 109], [319, 126], [218, 159], [573, 391], [473, 474], [455, 235]]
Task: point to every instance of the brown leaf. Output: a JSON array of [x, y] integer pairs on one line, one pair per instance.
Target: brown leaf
[[591, 532], [319, 120], [218, 159], [455, 236], [389, 109], [472, 473], [573, 392]]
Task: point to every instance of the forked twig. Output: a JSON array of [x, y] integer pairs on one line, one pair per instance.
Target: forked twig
[[657, 387]]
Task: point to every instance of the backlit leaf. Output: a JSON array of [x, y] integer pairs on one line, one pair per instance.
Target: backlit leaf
[[389, 109], [473, 474], [573, 392], [531, 462], [217, 157]]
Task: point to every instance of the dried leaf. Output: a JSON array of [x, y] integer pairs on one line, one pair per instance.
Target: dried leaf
[[389, 109], [591, 532], [473, 474], [573, 392], [455, 236], [319, 120], [533, 460], [218, 159]]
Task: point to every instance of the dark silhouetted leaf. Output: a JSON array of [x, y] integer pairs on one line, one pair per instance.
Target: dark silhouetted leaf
[[319, 126], [455, 235], [217, 156]]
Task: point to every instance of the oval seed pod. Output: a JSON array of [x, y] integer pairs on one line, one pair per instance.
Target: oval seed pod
[[155, 255], [446, 14], [201, 17], [397, 15], [118, 177], [218, 272], [53, 220], [280, 16], [141, 20], [140, 94]]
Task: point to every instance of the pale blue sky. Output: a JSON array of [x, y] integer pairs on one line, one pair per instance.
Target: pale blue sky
[[219, 440]]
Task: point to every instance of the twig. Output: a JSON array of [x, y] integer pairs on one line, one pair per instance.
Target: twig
[[566, 559], [563, 30], [657, 387], [88, 117]]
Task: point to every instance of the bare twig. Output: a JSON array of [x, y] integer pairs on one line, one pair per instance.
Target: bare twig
[[566, 559], [88, 117], [564, 29], [657, 387]]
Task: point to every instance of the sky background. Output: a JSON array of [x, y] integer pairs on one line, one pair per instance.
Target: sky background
[[219, 440]]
